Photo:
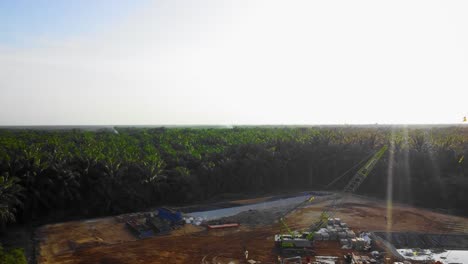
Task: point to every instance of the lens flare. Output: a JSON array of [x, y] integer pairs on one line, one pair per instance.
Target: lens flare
[[390, 183], [406, 183]]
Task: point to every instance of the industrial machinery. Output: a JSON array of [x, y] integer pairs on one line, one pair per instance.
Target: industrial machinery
[[301, 242]]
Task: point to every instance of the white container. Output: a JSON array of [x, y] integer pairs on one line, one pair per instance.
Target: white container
[[323, 230]]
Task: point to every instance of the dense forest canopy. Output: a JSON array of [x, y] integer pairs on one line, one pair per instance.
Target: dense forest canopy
[[62, 174]]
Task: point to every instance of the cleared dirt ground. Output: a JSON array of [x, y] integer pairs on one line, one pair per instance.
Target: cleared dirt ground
[[107, 241]]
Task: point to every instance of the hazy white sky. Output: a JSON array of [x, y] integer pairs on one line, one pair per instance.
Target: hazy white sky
[[239, 62]]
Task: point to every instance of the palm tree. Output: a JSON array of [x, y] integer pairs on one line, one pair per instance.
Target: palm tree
[[10, 194]]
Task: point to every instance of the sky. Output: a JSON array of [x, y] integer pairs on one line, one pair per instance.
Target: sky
[[220, 62]]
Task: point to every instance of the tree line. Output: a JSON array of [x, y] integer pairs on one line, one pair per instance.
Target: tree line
[[63, 174]]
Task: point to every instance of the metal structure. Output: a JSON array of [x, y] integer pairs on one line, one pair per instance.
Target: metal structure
[[351, 187], [302, 242]]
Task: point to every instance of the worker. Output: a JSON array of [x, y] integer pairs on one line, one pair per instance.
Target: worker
[[308, 260], [279, 260], [246, 253]]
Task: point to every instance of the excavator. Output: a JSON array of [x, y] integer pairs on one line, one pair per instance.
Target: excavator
[[291, 242]]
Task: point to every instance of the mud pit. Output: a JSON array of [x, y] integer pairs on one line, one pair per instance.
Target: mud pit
[[106, 241]]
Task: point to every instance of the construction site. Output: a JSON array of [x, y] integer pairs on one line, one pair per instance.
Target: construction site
[[310, 227]]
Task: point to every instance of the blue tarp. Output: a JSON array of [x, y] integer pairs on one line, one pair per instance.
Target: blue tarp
[[173, 217]]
